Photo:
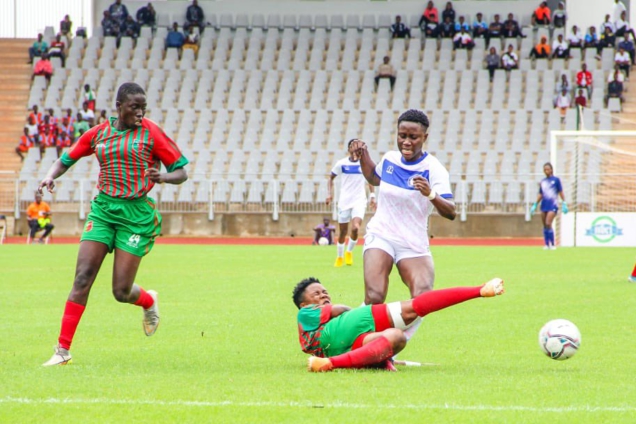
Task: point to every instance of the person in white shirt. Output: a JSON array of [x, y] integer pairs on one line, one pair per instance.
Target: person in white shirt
[[617, 10], [560, 48], [616, 76], [412, 184], [624, 61], [510, 60], [86, 113], [563, 103], [463, 40], [352, 202], [607, 24], [622, 26], [575, 38]]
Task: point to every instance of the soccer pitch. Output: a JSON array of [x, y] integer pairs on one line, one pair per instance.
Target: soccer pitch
[[227, 348]]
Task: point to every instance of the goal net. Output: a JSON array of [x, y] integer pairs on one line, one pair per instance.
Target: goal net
[[598, 173]]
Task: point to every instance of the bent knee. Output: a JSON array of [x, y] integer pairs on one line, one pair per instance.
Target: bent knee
[[374, 296], [395, 336], [121, 295]]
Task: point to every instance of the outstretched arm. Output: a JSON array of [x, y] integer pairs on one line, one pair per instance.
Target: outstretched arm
[[57, 169], [366, 163]]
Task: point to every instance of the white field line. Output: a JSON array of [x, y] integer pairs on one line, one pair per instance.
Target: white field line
[[335, 405]]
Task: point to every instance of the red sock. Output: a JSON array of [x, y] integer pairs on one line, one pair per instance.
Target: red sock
[[435, 300], [634, 272], [71, 318], [144, 300], [371, 353]]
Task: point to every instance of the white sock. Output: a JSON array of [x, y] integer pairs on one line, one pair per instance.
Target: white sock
[[351, 245], [340, 250], [410, 332]]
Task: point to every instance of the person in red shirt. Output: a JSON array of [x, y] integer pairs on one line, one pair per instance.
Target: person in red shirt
[[66, 127], [541, 15], [63, 140], [43, 67], [26, 142], [47, 139], [47, 124], [430, 15], [57, 49], [581, 100], [584, 79]]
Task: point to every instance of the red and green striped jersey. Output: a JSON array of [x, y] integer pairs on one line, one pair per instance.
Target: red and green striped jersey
[[311, 322], [124, 156]]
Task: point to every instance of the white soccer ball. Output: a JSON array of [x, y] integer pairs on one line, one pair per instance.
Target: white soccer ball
[[559, 339], [323, 241]]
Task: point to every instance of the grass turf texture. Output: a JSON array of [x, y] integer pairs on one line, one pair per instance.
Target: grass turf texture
[[227, 348]]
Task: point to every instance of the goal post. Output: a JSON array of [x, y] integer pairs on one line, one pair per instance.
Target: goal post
[[598, 174]]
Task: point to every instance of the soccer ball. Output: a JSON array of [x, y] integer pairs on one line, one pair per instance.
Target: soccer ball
[[559, 339], [323, 241]]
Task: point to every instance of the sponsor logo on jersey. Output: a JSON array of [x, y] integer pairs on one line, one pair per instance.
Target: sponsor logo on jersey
[[603, 229]]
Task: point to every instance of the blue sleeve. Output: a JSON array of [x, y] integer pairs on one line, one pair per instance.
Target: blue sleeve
[[559, 186]]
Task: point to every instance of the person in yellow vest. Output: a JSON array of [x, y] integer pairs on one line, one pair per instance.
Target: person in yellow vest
[[39, 218]]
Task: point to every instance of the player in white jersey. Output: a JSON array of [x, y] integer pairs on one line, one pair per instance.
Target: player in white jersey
[[412, 182], [352, 202]]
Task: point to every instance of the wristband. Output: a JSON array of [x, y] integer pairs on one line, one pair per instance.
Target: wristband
[[371, 195], [432, 195]]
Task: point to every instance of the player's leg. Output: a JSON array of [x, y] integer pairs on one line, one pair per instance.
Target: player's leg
[[357, 214], [344, 216], [632, 277], [546, 238], [418, 273], [549, 218], [47, 231], [377, 267]]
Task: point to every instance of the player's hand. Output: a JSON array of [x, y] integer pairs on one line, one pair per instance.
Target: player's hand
[[533, 208], [47, 183], [328, 200], [421, 184], [154, 175], [358, 147], [564, 208]]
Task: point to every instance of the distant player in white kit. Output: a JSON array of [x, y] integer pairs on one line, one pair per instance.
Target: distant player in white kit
[[352, 202], [412, 183]]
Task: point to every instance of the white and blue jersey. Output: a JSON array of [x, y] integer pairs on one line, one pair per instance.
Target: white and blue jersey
[[549, 188], [352, 184], [402, 212]]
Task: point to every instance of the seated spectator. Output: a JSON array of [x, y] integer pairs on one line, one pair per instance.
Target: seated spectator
[[67, 127], [175, 38], [39, 218], [53, 119], [510, 60], [623, 61], [584, 80], [607, 24], [26, 142], [541, 50], [66, 27], [33, 129], [195, 16], [130, 28], [581, 99], [432, 30], [628, 46], [612, 75], [461, 23], [191, 42], [57, 49], [46, 125], [44, 67], [560, 16], [69, 116], [36, 115], [399, 30], [617, 9], [480, 27], [560, 49], [563, 103], [591, 38], [63, 140], [110, 26], [622, 26], [47, 139], [614, 89], [86, 113], [449, 12], [385, 70], [496, 28], [511, 28], [325, 230], [541, 15], [38, 48], [89, 98], [563, 85], [102, 117], [147, 16], [447, 28], [575, 38], [81, 126], [118, 12], [430, 15], [492, 62], [608, 39], [463, 40]]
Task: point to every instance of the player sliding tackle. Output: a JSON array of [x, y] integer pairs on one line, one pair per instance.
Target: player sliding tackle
[[340, 337]]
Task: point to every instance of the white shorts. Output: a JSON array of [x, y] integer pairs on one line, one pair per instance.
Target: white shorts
[[397, 251], [346, 215]]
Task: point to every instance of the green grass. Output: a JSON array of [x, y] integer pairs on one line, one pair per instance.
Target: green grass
[[227, 348]]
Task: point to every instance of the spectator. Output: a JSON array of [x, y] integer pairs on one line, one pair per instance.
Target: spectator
[[39, 218], [118, 12], [430, 15], [399, 30], [563, 85], [46, 125], [541, 50], [81, 126], [510, 60], [462, 24], [26, 142], [584, 80], [432, 30], [53, 119], [447, 29], [614, 88], [47, 139], [541, 15], [511, 28], [560, 16], [66, 27], [36, 115], [87, 114], [581, 100], [63, 140], [32, 127], [492, 62], [560, 48], [623, 61], [195, 16], [110, 26], [628, 46], [496, 28], [480, 27], [38, 48], [89, 98], [385, 70], [449, 12], [607, 24], [44, 67], [67, 127], [175, 38], [563, 103], [575, 38], [591, 38], [325, 230], [608, 39], [622, 26], [130, 28], [191, 42], [102, 117], [463, 40], [57, 49], [69, 116], [618, 9], [147, 16], [612, 75]]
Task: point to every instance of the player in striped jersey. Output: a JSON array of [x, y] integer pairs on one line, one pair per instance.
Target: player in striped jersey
[[550, 189], [412, 183], [130, 150]]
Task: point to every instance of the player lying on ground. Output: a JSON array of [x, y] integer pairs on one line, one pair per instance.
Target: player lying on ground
[[340, 337]]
